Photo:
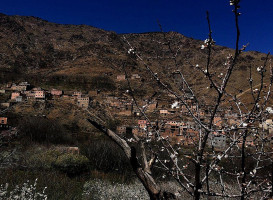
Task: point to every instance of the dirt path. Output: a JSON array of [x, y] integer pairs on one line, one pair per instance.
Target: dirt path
[[239, 95]]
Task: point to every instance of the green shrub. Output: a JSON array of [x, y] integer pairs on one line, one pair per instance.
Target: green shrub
[[43, 159], [71, 164]]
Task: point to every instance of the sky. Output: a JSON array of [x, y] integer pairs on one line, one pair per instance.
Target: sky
[[187, 17]]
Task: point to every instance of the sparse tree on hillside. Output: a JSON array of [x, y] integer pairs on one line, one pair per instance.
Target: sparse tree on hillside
[[243, 169]]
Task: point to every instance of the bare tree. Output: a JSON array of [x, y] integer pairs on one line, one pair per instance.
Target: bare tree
[[247, 157]]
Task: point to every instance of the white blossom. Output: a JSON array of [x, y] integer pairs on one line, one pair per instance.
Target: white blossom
[[101, 189], [25, 192], [172, 156], [131, 51], [245, 124], [269, 110]]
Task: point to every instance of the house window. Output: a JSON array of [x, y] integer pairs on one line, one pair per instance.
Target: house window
[[2, 121]]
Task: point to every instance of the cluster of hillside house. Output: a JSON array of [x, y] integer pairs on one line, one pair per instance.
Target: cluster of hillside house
[[184, 133], [166, 107], [122, 77], [24, 92], [187, 132]]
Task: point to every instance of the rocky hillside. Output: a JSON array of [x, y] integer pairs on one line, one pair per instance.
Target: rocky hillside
[[74, 56]]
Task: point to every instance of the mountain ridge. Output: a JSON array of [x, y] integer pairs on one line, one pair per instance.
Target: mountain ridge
[[44, 52]]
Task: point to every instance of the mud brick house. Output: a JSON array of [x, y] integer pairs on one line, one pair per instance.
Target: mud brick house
[[3, 120], [217, 141], [39, 94], [15, 87], [55, 92], [142, 124], [14, 95], [172, 123], [135, 76], [3, 123], [19, 99], [121, 77], [78, 94], [23, 86], [83, 102], [163, 112]]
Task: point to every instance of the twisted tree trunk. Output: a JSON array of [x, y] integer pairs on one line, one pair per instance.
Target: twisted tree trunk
[[143, 172]]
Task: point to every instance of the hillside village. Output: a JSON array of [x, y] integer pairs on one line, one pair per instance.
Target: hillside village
[[164, 113], [84, 109]]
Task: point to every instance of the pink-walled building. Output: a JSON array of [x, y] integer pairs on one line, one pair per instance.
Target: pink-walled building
[[14, 95], [56, 92], [142, 123], [39, 94], [3, 120]]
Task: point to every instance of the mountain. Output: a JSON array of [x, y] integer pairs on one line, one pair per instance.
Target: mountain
[[74, 56]]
